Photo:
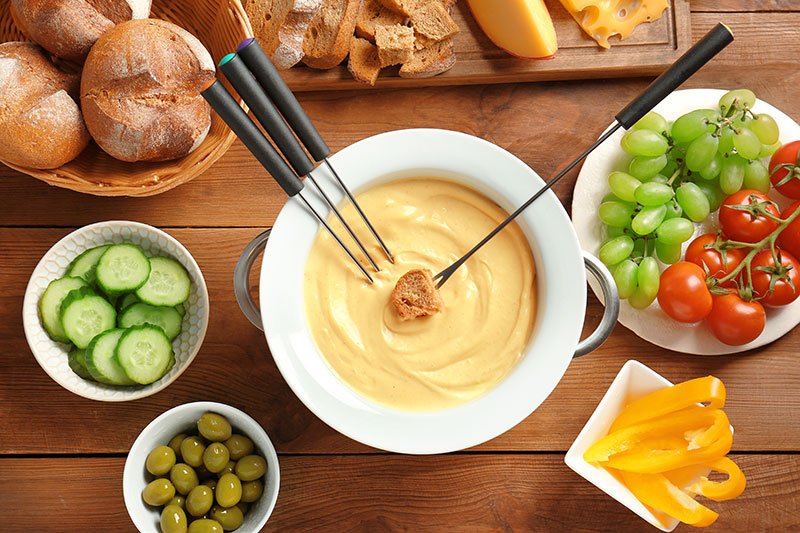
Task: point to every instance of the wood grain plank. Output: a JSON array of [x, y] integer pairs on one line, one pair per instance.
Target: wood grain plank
[[743, 5], [397, 493], [234, 367]]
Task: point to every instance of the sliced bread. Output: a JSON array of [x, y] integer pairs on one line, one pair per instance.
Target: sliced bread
[[364, 63], [432, 21], [374, 13], [267, 17], [327, 39], [395, 44], [289, 51], [415, 295], [404, 7], [430, 61]]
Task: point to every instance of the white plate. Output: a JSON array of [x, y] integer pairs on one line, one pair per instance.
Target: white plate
[[652, 324]]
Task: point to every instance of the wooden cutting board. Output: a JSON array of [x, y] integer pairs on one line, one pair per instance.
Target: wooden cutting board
[[648, 51]]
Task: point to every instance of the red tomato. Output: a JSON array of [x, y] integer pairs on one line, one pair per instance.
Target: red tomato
[[783, 292], [734, 321], [788, 155], [698, 254], [740, 225], [683, 294], [789, 239]]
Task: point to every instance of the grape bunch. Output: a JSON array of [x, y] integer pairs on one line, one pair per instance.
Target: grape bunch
[[679, 174]]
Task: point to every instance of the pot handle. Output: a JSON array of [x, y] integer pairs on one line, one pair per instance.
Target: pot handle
[[610, 300], [241, 279]]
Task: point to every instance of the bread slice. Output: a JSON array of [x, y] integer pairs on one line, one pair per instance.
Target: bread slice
[[373, 14], [404, 7], [364, 64], [395, 44], [415, 295], [430, 61], [327, 39], [289, 51], [433, 22], [267, 17]]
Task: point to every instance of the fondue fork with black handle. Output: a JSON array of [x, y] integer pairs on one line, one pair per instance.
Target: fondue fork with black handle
[[689, 63]]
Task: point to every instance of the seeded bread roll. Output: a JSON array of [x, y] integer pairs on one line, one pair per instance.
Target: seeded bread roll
[[40, 123], [140, 91], [69, 28]]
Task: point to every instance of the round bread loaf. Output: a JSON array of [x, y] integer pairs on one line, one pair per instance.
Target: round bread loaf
[[140, 91], [40, 123], [69, 28]]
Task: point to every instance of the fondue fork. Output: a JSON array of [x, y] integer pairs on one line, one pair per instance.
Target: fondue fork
[[689, 63], [282, 97], [253, 138]]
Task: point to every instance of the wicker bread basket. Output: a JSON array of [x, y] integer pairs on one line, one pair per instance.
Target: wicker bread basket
[[220, 25]]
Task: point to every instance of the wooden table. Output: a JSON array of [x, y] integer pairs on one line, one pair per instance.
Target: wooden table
[[61, 456]]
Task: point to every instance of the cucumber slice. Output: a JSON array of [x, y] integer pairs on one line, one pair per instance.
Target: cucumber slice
[[144, 353], [50, 305], [126, 301], [181, 308], [85, 265], [168, 284], [100, 360], [85, 315], [167, 318], [77, 362], [122, 268]]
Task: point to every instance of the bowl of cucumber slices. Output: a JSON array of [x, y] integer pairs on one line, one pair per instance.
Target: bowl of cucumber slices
[[116, 311]]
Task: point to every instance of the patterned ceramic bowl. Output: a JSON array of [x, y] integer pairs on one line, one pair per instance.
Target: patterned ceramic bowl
[[52, 356]]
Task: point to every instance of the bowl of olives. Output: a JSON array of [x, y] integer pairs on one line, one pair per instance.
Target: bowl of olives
[[201, 467]]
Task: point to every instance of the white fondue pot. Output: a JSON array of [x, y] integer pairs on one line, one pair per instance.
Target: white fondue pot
[[560, 279]]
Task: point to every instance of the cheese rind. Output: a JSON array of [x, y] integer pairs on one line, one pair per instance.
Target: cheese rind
[[520, 27], [602, 19]]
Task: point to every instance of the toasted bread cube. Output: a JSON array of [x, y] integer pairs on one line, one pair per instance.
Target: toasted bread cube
[[364, 63], [395, 44], [415, 295]]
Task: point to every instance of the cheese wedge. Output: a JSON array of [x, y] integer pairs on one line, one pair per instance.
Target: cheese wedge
[[603, 18], [520, 27]]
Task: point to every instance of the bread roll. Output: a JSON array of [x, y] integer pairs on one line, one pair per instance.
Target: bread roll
[[69, 28], [140, 91], [40, 122]]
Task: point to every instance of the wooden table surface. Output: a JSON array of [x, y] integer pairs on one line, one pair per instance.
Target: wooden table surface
[[61, 456]]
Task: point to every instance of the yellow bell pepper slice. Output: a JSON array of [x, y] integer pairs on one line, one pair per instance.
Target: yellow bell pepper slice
[[661, 402], [720, 491], [656, 491]]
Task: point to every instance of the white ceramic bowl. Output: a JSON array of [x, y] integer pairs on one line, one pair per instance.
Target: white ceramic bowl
[[52, 356], [178, 420], [561, 294]]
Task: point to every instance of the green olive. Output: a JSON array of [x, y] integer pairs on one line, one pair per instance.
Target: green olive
[[184, 478], [252, 490], [243, 507], [216, 457], [239, 446], [192, 449], [173, 520], [251, 467], [180, 500], [214, 427], [160, 491], [203, 473], [229, 490], [175, 444], [160, 460], [210, 483], [204, 525], [230, 468], [199, 500], [230, 518]]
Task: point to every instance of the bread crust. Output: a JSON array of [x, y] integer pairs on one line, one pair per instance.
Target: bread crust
[[364, 64], [327, 40], [292, 33]]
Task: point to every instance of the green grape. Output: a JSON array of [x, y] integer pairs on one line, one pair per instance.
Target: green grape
[[765, 128], [644, 168], [738, 98], [746, 143], [713, 194], [756, 176], [658, 178], [731, 177], [623, 185], [614, 231], [610, 197], [674, 209], [675, 231], [616, 250], [648, 219], [640, 300], [693, 124], [701, 152], [652, 121], [617, 214], [648, 278], [644, 142], [768, 149], [625, 275], [668, 253], [638, 248], [743, 121], [694, 202], [726, 140], [654, 193], [711, 170]]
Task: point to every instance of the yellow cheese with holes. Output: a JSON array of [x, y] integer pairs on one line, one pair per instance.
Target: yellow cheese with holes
[[520, 27], [603, 18]]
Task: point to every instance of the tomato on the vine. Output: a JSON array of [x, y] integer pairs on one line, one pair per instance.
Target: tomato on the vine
[[740, 224], [735, 321], [698, 254], [786, 283], [683, 293], [785, 168], [789, 239]]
